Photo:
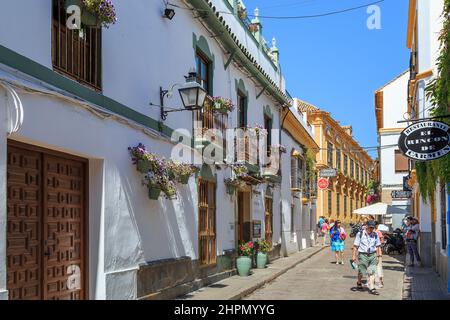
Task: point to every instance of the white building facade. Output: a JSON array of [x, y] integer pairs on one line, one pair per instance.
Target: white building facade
[[391, 107], [425, 24], [75, 220]]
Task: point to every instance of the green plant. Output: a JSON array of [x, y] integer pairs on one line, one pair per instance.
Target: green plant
[[438, 92], [245, 249], [264, 246], [103, 9]]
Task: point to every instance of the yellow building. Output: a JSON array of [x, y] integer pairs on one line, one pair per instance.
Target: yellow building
[[340, 151]]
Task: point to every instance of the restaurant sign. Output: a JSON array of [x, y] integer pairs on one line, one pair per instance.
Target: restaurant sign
[[425, 140]]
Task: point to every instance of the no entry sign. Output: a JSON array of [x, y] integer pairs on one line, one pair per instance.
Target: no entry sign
[[323, 183]]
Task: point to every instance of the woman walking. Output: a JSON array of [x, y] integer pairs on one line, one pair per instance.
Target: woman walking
[[338, 236]]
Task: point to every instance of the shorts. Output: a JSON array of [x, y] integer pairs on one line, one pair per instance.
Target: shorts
[[367, 263]]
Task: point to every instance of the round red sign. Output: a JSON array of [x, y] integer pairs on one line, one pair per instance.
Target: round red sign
[[323, 183]]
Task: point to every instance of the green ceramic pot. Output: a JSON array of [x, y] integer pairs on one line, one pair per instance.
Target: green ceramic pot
[[261, 260], [243, 265], [154, 193], [143, 166]]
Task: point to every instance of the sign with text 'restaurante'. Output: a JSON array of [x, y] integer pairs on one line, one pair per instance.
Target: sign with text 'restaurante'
[[425, 140]]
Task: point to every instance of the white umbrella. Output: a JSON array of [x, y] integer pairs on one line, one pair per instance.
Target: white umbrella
[[380, 209]]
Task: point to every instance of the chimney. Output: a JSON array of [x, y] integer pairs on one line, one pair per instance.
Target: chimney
[[258, 24], [348, 130]]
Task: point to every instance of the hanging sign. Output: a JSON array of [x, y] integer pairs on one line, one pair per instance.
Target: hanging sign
[[425, 140], [323, 183], [328, 173], [400, 194]]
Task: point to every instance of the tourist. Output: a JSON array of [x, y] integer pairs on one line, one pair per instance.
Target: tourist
[[337, 238], [367, 250], [412, 235]]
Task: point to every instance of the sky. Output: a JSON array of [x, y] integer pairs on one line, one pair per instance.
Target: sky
[[336, 62]]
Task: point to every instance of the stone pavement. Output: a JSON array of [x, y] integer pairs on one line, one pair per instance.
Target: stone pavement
[[237, 287], [319, 278], [424, 284]]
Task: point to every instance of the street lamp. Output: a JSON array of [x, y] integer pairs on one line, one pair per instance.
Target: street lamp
[[192, 95]]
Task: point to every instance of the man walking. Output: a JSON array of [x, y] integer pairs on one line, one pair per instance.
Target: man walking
[[412, 235], [367, 250]]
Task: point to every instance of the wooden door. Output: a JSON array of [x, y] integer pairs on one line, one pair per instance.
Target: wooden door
[[207, 223], [269, 221], [24, 221], [46, 219], [63, 209]]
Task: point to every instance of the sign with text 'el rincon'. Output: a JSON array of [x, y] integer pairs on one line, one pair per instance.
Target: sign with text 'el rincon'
[[425, 140]]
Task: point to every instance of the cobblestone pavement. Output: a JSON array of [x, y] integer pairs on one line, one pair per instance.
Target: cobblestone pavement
[[319, 278]]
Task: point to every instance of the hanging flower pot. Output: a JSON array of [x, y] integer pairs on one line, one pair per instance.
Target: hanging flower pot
[[170, 194], [154, 193], [95, 13], [253, 27], [184, 179], [143, 166]]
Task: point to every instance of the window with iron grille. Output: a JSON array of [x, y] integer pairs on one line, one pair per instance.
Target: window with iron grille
[[330, 154], [292, 218], [351, 206], [352, 168], [76, 53], [345, 205], [345, 164], [269, 221], [338, 159], [268, 127], [208, 119], [357, 172], [338, 204], [330, 204], [207, 222]]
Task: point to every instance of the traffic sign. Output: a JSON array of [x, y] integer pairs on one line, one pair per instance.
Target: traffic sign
[[323, 183]]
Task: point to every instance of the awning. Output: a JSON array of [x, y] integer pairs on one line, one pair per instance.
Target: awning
[[380, 209]]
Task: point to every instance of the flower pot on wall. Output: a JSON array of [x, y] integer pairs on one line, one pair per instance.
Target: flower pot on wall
[[184, 179], [88, 18], [261, 260], [243, 265], [154, 193], [143, 166]]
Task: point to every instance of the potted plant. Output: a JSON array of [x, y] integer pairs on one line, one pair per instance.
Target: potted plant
[[242, 12], [220, 105], [244, 261], [261, 257], [181, 172], [95, 13], [253, 27], [154, 187]]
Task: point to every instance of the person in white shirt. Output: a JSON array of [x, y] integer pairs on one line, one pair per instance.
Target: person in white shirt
[[367, 251]]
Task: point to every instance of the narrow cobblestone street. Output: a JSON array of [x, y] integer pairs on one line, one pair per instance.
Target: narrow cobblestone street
[[320, 278]]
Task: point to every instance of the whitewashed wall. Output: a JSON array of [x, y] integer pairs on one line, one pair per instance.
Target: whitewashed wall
[[142, 52]]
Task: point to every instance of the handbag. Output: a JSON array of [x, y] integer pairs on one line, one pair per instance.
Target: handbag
[[343, 236]]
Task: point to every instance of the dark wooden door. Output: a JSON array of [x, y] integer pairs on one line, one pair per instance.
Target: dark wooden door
[[46, 219], [24, 220]]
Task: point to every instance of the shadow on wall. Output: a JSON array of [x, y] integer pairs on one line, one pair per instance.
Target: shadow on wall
[[166, 228]]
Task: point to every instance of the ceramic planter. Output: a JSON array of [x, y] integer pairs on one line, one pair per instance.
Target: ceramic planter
[[170, 194], [243, 265], [261, 260], [154, 193], [88, 18]]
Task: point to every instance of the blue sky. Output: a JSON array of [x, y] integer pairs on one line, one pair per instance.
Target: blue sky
[[336, 62]]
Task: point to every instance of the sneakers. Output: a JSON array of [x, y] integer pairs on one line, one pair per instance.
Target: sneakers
[[337, 262], [342, 262]]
